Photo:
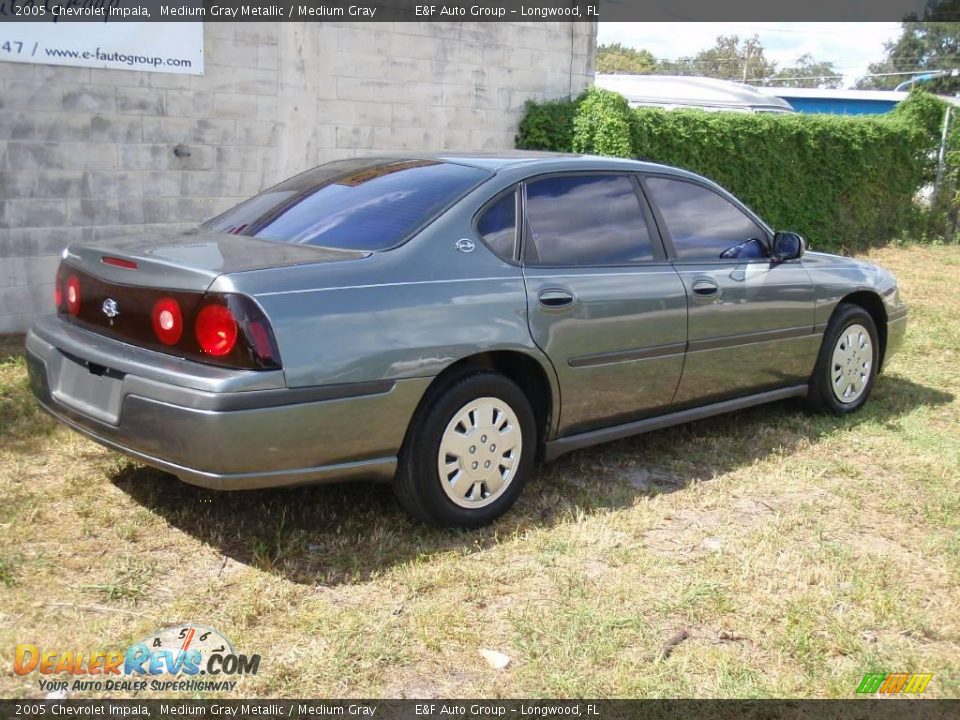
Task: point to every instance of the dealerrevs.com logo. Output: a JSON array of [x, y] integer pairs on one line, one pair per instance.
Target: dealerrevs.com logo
[[188, 658]]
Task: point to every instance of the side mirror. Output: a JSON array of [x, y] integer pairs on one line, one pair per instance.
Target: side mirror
[[787, 246]]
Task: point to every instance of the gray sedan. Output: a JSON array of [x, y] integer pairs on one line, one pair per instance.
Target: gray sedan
[[444, 322]]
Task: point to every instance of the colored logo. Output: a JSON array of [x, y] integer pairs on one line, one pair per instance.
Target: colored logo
[[181, 652], [893, 683]]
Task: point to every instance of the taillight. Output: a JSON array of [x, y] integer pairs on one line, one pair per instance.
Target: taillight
[[60, 288], [216, 330], [262, 340], [226, 329], [167, 320], [231, 330], [73, 295]]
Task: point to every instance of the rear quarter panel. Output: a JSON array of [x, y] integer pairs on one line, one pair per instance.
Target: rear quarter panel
[[404, 313]]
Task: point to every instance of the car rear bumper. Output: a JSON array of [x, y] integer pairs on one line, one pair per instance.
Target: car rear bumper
[[214, 427]]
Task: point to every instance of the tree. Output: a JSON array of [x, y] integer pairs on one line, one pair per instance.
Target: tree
[[615, 58], [731, 58], [808, 73], [921, 46]]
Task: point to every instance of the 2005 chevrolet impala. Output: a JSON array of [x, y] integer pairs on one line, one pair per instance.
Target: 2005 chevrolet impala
[[444, 322]]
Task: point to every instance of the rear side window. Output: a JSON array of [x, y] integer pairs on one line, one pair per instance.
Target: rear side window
[[354, 204], [703, 224], [586, 220], [498, 226]]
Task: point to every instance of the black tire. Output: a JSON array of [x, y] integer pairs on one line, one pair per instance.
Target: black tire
[[820, 396], [417, 483]]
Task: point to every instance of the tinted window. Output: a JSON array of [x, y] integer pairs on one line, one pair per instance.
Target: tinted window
[[587, 220], [498, 225], [704, 225], [354, 204]]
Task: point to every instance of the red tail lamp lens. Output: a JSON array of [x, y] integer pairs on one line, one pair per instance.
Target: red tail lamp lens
[[57, 295], [262, 344], [167, 321], [216, 330], [73, 295]]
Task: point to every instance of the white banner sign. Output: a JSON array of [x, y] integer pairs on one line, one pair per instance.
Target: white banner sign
[[175, 47]]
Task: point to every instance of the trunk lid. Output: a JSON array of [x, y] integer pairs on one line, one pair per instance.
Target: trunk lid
[[155, 293], [194, 260]]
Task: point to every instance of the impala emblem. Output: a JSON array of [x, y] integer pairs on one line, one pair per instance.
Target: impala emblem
[[110, 308], [465, 245]]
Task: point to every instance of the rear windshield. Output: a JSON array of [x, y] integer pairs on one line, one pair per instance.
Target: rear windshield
[[358, 204]]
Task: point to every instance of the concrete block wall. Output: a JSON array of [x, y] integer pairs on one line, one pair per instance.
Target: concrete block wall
[[87, 154]]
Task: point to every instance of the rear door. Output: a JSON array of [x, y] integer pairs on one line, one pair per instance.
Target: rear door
[[603, 302], [750, 319]]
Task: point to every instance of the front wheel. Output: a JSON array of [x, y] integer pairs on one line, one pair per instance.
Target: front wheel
[[468, 452], [847, 365]]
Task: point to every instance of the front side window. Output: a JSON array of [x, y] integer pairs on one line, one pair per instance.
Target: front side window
[[498, 226], [703, 224], [586, 220], [359, 204]]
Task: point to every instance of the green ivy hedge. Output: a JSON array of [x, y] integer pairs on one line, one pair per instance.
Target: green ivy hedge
[[548, 125], [845, 182]]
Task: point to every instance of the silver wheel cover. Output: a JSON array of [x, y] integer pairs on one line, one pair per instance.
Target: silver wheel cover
[[851, 363], [479, 452]]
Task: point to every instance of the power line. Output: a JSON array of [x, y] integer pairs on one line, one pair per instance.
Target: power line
[[835, 77], [690, 60], [680, 64], [786, 66], [693, 61]]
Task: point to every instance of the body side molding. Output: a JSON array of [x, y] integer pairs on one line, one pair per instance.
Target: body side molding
[[556, 448]]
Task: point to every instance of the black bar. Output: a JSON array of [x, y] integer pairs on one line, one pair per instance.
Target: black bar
[[476, 10], [853, 709]]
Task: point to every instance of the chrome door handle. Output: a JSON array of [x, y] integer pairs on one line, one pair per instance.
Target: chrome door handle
[[554, 298]]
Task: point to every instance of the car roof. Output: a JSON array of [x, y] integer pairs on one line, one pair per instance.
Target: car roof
[[537, 161], [691, 91]]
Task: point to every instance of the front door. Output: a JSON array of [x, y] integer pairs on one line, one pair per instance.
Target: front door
[[751, 320], [603, 302]]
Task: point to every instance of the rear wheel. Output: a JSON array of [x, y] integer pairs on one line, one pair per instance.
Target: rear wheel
[[469, 451], [847, 365]]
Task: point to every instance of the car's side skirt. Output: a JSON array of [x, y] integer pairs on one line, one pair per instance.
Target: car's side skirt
[[556, 448]]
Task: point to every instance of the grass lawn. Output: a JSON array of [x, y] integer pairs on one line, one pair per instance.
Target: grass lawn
[[766, 553]]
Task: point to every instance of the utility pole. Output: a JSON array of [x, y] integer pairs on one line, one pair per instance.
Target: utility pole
[[941, 158]]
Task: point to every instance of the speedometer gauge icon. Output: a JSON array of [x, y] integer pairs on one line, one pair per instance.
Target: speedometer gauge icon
[[181, 640]]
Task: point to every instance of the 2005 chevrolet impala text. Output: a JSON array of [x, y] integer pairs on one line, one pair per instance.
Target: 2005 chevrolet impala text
[[444, 322]]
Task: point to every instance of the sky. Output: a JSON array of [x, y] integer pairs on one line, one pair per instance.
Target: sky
[[850, 46]]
